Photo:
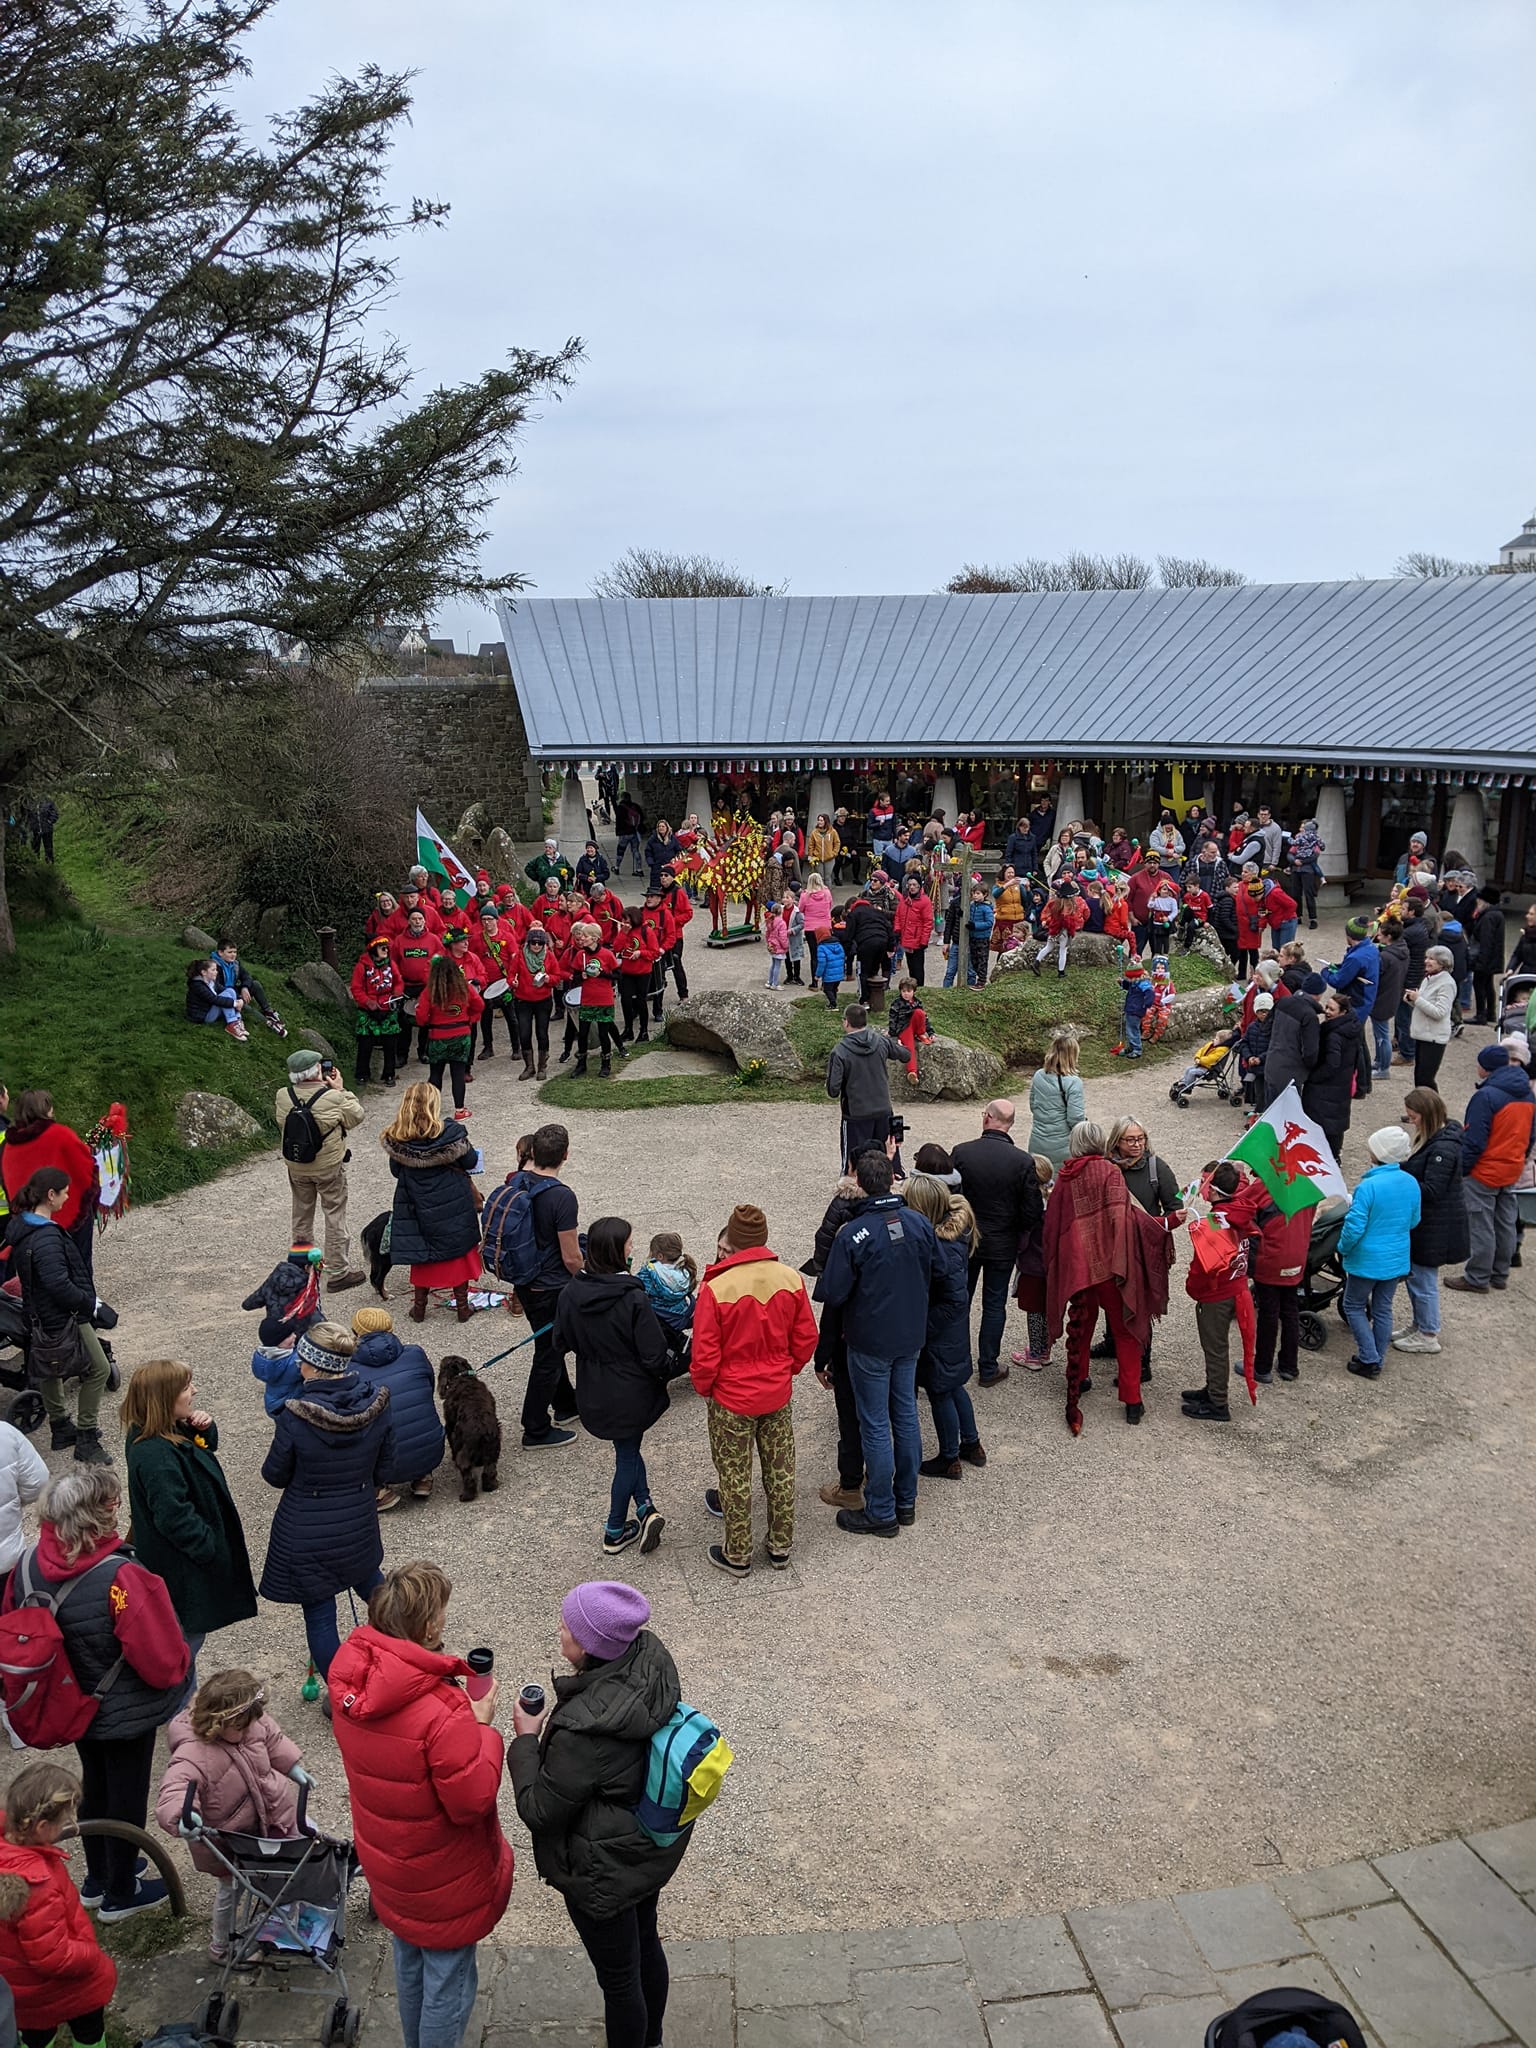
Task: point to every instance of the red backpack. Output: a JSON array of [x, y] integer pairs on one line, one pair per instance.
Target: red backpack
[[42, 1697]]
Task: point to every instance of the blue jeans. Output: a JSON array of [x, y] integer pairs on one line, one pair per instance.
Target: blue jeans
[[1285, 932], [1400, 1031], [629, 1483], [1381, 1028], [320, 1631], [630, 843], [1132, 1034], [881, 847], [995, 1277], [885, 1393], [1424, 1293], [775, 968], [951, 963], [1368, 1312], [954, 1421], [436, 1988]]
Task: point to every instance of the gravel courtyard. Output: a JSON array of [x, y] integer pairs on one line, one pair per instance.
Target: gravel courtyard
[[1143, 1661]]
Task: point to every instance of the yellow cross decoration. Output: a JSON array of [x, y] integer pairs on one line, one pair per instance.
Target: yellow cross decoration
[[1181, 795]]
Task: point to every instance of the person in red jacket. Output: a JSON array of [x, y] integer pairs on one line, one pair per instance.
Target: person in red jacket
[[593, 970], [447, 1013], [753, 1330], [674, 901], [537, 972], [1279, 1267], [913, 921], [1252, 922], [423, 1765], [411, 898], [635, 951], [35, 1140], [1281, 912], [604, 910], [378, 989], [48, 1951], [1220, 1290], [384, 916], [662, 926], [1064, 915], [415, 949], [495, 946]]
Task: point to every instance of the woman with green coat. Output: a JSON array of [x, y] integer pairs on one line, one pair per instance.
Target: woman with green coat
[[185, 1525], [1056, 1098]]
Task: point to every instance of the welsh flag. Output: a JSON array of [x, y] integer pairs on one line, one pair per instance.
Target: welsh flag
[[1290, 1155], [439, 859]]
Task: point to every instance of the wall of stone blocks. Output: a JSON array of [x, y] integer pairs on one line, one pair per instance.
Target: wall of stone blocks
[[462, 741]]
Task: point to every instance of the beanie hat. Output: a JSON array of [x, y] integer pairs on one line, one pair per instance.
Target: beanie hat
[[1418, 893], [309, 1353], [1489, 895], [1263, 1003], [1492, 1057], [1390, 1143], [1358, 928], [1314, 985], [302, 1064], [605, 1616], [366, 1321], [1518, 1046], [748, 1226], [1269, 970]]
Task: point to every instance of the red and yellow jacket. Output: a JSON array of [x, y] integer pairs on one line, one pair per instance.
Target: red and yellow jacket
[[753, 1330]]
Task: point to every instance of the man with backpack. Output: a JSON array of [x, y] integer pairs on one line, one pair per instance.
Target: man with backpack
[[314, 1113], [528, 1235]]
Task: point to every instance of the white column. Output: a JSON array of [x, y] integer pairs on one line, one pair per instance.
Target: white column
[[1069, 803], [946, 797], [570, 825], [1333, 830], [1468, 832], [699, 799], [821, 800]]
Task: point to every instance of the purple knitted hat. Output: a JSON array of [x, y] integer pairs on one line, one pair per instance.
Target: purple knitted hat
[[605, 1616]]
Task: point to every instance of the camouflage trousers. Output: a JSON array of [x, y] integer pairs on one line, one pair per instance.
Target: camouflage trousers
[[731, 1438]]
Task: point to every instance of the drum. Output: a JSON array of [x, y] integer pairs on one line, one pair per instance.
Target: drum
[[409, 1007], [495, 990]]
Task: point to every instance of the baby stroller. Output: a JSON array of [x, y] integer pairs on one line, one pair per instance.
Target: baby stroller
[[21, 1405], [1214, 1066], [1285, 2012], [290, 1905], [1515, 993], [1323, 1281]]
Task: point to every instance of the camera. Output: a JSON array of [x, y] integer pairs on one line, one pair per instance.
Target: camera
[[899, 1129]]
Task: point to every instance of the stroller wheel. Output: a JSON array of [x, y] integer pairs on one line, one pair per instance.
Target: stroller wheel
[[351, 2027], [1311, 1330], [228, 2028], [333, 2025], [26, 1411]]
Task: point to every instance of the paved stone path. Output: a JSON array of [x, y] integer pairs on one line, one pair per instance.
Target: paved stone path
[[1431, 1947]]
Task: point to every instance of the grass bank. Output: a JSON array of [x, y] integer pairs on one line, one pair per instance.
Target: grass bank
[[91, 1008]]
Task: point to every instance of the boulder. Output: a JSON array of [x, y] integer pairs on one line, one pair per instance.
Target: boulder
[[472, 828], [269, 927], [1088, 949], [1206, 944], [955, 1072], [197, 939], [740, 1022], [205, 1123], [321, 984], [314, 1041], [1194, 1015], [498, 856]]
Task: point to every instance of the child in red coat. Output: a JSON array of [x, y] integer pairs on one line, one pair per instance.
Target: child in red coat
[[48, 1951], [1217, 1283]]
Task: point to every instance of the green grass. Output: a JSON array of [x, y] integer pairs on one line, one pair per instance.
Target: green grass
[[94, 1013]]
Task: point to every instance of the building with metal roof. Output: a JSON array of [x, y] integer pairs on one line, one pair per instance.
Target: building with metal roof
[[1418, 685]]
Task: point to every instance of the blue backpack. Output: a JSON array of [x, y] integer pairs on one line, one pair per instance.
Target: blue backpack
[[507, 1241], [688, 1759]]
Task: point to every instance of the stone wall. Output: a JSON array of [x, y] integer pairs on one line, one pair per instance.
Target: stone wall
[[462, 741]]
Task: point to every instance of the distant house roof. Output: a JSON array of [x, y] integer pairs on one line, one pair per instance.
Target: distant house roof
[[1524, 541], [440, 647], [1412, 671]]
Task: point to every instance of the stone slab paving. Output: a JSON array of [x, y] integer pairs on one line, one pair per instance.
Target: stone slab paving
[[1430, 1947]]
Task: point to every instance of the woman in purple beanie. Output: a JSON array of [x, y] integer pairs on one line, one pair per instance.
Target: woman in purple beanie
[[578, 1771]]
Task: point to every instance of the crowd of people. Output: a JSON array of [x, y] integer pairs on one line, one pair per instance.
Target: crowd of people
[[1078, 1228]]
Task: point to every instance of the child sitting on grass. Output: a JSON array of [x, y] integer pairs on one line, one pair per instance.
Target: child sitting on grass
[[671, 1280], [908, 1021], [48, 1950], [244, 1771]]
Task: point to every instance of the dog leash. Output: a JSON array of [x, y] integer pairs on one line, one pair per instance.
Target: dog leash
[[500, 1355]]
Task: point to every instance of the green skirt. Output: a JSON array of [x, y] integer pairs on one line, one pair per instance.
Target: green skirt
[[378, 1024], [453, 1052], [594, 1013]]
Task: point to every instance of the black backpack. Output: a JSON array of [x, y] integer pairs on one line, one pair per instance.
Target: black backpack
[[1268, 2013], [302, 1136]]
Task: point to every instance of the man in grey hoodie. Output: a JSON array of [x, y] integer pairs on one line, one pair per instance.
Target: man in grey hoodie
[[858, 1080]]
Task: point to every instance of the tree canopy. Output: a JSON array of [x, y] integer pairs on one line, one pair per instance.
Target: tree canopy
[[203, 446], [1080, 571], [652, 572]]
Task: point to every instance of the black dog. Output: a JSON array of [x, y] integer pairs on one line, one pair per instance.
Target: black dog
[[379, 1261], [474, 1433]]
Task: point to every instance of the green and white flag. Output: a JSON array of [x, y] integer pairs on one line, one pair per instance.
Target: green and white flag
[[1289, 1153], [439, 859]]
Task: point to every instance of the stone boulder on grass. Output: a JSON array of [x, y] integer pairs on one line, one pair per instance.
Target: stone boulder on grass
[[740, 1022], [207, 1123], [498, 857], [199, 940], [1195, 1013], [315, 1041], [320, 984], [1088, 949], [953, 1072]]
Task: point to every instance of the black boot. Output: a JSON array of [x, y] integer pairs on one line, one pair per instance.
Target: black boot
[[88, 1448], [62, 1435], [580, 1066], [605, 1070]]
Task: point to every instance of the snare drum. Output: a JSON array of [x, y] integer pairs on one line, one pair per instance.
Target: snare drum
[[494, 990]]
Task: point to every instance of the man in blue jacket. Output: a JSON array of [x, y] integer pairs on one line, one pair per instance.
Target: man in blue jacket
[[1358, 974], [877, 1273]]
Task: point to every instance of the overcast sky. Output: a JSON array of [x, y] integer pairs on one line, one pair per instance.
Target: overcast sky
[[870, 289]]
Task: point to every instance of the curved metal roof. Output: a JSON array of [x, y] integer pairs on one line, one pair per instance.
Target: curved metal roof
[[1415, 672]]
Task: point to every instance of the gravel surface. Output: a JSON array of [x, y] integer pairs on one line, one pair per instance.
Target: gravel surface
[[1138, 1662]]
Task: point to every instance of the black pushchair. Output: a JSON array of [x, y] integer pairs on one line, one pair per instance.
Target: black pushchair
[[290, 1906], [21, 1405], [1515, 992], [1285, 2010], [1323, 1281]]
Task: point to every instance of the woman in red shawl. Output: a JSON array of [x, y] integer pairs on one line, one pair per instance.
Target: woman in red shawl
[[1102, 1250]]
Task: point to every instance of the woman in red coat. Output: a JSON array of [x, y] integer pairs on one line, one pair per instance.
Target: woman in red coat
[[34, 1140], [378, 989], [1102, 1250], [48, 1951], [423, 1766]]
